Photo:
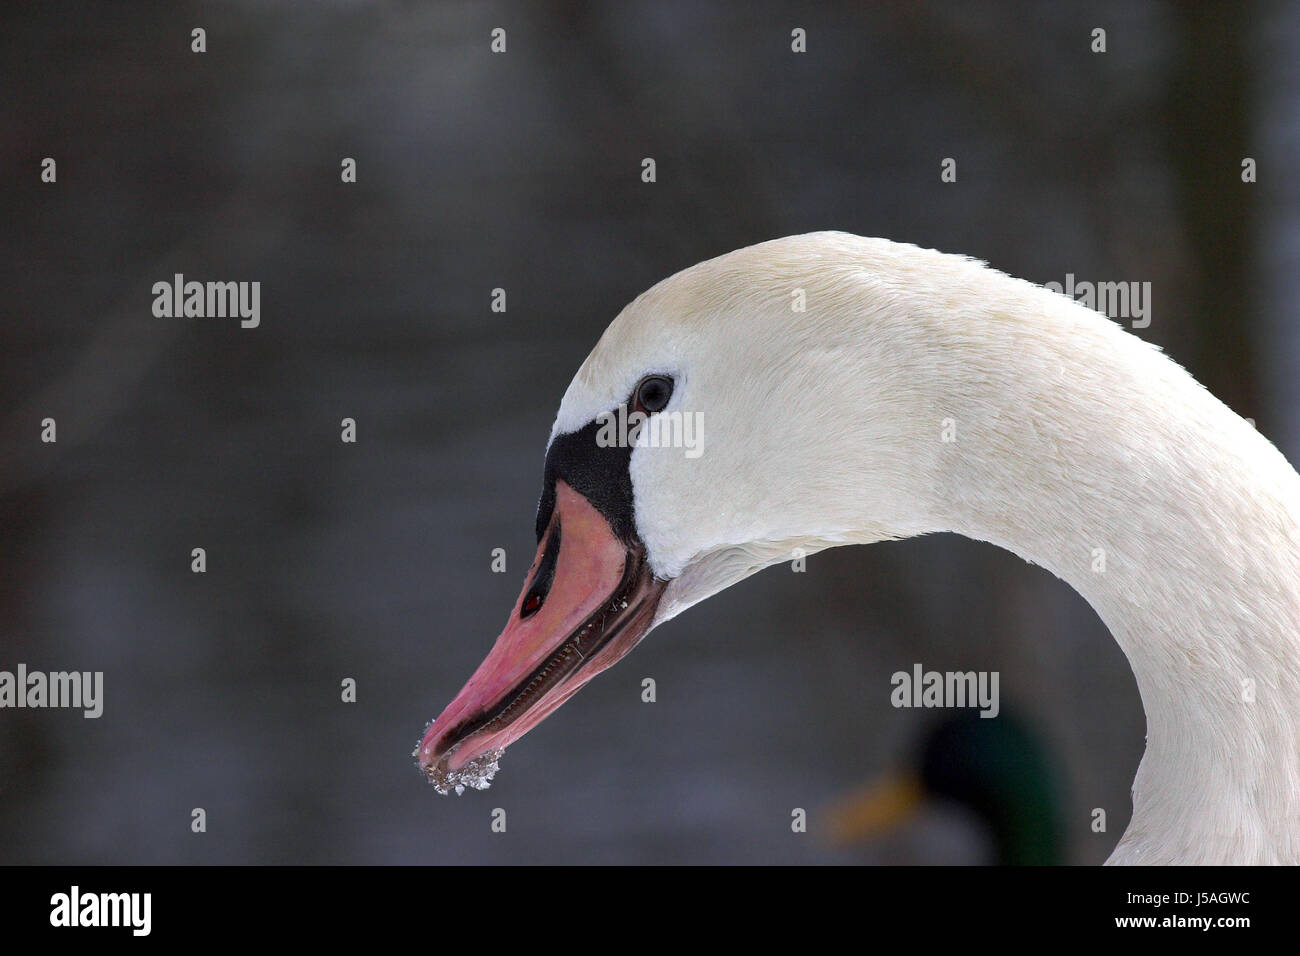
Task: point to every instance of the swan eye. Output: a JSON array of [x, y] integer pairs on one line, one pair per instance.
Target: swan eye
[[653, 393]]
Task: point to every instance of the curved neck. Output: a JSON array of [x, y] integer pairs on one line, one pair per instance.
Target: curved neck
[[1084, 450], [923, 392]]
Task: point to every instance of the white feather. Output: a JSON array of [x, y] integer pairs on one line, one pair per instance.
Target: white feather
[[825, 427]]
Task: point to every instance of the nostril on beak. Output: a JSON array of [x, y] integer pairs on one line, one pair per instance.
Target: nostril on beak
[[545, 575]]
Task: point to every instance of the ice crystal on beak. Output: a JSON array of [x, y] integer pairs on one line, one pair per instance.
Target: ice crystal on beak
[[477, 774]]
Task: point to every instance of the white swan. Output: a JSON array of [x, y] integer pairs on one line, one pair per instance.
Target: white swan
[[1077, 446]]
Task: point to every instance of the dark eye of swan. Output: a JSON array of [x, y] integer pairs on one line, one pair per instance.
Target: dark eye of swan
[[653, 393]]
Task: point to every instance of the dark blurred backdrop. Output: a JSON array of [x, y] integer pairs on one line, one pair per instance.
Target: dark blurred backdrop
[[522, 171]]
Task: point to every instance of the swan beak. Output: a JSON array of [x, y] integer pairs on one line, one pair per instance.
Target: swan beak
[[588, 599]]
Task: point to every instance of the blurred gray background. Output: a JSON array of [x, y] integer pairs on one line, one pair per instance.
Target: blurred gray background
[[522, 171]]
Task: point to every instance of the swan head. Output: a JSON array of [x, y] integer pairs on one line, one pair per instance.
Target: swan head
[[746, 411]]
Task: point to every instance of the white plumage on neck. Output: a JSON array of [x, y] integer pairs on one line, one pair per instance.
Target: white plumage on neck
[[1073, 444]]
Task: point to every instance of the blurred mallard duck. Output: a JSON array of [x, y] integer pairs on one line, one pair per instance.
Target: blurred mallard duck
[[995, 768]]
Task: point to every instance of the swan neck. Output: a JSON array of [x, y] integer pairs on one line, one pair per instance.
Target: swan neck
[[1096, 457]]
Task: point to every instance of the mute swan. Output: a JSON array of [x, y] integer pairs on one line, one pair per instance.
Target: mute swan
[[922, 392]]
